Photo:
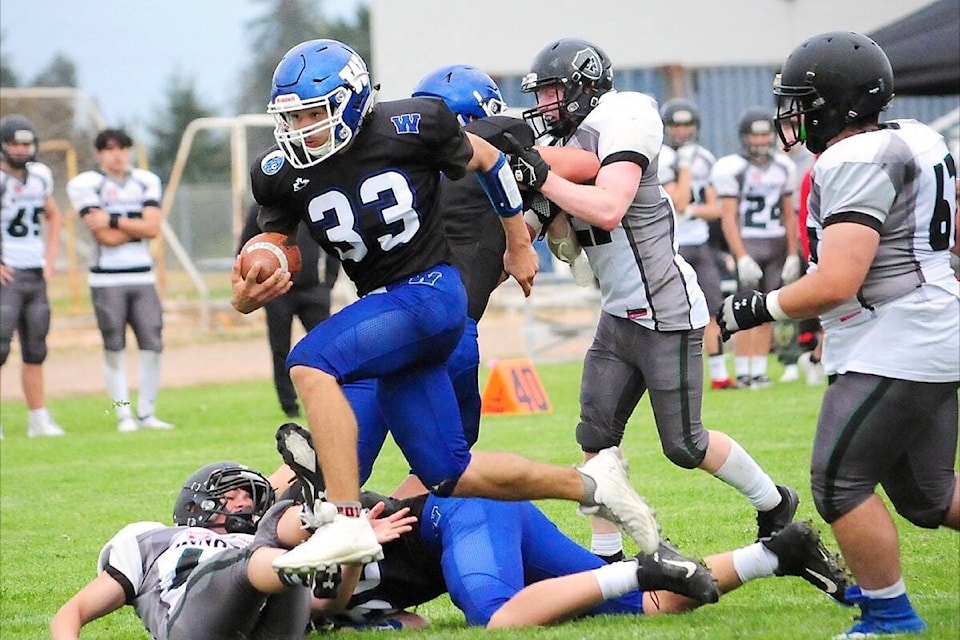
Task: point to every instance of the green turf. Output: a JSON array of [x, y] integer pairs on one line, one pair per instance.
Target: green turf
[[61, 499]]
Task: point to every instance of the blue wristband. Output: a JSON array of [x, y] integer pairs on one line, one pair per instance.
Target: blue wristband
[[501, 188]]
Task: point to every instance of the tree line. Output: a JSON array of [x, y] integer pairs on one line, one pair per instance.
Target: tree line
[[282, 24]]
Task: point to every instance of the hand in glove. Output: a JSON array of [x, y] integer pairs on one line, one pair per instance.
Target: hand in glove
[[791, 269], [743, 310], [749, 272], [685, 155], [529, 167]]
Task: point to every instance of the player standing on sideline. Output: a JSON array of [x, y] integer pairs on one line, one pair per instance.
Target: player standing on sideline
[[308, 300], [755, 188], [882, 210], [28, 253], [685, 173], [365, 178], [650, 333], [120, 205]]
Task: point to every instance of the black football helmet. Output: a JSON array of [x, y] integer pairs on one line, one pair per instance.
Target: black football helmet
[[16, 128], [203, 497], [758, 121], [582, 70], [679, 111], [827, 83]]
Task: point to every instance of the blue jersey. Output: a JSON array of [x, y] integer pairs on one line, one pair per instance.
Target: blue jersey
[[375, 204], [487, 551]]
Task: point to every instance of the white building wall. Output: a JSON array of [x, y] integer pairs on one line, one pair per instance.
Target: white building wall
[[412, 37]]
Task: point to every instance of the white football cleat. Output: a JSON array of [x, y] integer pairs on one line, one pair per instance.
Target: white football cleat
[[617, 500], [153, 422], [791, 373], [127, 425], [45, 428], [337, 540]]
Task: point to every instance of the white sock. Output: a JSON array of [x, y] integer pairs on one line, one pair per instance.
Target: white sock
[[741, 365], [115, 374], [898, 588], [744, 474], [758, 366], [38, 416], [149, 383], [718, 368], [617, 578], [754, 561], [606, 544]]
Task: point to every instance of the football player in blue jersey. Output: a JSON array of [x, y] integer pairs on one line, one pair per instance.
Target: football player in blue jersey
[[485, 553], [881, 216], [365, 178]]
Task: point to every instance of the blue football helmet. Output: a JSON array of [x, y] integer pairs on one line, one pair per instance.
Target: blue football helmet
[[325, 76], [469, 92], [203, 497]]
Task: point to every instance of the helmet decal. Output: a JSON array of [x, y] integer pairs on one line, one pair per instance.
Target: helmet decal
[[587, 62]]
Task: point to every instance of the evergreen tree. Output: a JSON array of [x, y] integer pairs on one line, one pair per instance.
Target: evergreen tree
[[209, 159], [8, 77]]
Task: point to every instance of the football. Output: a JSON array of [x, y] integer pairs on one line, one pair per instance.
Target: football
[[271, 251]]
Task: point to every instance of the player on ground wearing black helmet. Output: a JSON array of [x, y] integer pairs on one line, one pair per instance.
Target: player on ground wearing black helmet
[[209, 576]]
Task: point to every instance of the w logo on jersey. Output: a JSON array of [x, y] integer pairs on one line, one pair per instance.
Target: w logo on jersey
[[406, 122]]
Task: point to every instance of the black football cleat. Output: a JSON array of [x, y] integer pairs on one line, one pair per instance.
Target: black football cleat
[[801, 553], [769, 522], [669, 570], [295, 446]]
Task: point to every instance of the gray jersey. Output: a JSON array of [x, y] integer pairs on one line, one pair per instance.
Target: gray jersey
[[905, 321], [152, 562], [759, 189], [642, 277], [22, 205], [129, 263], [691, 232]]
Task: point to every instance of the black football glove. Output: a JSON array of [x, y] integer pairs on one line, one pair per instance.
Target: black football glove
[[743, 310], [529, 167]]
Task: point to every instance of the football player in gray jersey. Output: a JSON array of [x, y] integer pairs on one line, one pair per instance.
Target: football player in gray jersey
[[28, 251], [755, 188], [684, 172], [209, 576], [650, 333], [120, 205], [882, 212]]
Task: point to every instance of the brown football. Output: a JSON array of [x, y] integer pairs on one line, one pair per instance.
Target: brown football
[[271, 251]]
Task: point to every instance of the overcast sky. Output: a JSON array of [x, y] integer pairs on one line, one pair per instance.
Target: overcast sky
[[127, 50]]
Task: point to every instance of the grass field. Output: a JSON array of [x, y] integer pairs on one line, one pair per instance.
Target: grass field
[[61, 499]]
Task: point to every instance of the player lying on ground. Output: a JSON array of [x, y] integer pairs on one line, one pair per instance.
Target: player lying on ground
[[209, 576], [505, 564]]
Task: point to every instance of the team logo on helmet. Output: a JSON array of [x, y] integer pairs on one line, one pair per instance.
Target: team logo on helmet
[[587, 62]]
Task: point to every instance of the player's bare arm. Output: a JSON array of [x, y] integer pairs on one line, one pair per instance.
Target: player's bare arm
[[845, 256], [602, 204], [54, 221], [100, 596]]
